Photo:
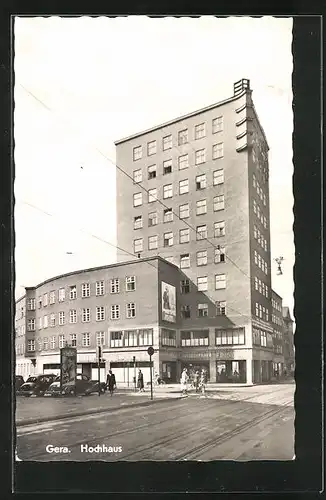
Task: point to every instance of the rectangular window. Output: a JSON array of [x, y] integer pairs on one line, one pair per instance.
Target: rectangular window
[[256, 283], [52, 297], [195, 338], [220, 308], [167, 142], [185, 286], [167, 191], [61, 318], [73, 339], [167, 215], [45, 344], [138, 199], [130, 338], [201, 207], [52, 320], [100, 339], [145, 336], [265, 222], [220, 281], [168, 239], [40, 323], [184, 186], [202, 284], [218, 176], [200, 156], [184, 261], [31, 325], [217, 124], [151, 172], [53, 342], [31, 304], [218, 203], [202, 310], [100, 313], [86, 340], [185, 311], [45, 300], [61, 294], [264, 199], [218, 151], [219, 229], [86, 314], [184, 211], [138, 222], [184, 235], [86, 290], [45, 321], [152, 195], [263, 338], [137, 176], [114, 285], [200, 131], [230, 337], [73, 292], [182, 137], [202, 258], [137, 153], [255, 206], [99, 288], [201, 182], [201, 232], [131, 310], [61, 341], [115, 311], [168, 337], [138, 245], [254, 180], [183, 162], [152, 219], [151, 148], [167, 167], [130, 283], [116, 339], [40, 301], [152, 242], [219, 255]]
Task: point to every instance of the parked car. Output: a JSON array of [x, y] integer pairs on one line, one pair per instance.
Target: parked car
[[84, 386], [19, 380], [36, 385]]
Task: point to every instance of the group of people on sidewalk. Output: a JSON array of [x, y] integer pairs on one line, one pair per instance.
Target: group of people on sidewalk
[[111, 384], [198, 382]]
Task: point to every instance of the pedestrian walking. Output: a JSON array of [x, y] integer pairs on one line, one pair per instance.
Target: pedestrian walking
[[140, 381], [203, 382], [110, 382], [184, 380], [196, 381]]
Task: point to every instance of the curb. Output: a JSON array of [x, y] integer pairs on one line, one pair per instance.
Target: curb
[[100, 410]]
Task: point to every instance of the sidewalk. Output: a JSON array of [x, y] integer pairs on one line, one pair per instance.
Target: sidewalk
[[34, 410]]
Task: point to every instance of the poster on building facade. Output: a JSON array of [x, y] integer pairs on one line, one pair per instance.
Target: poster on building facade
[[168, 302], [68, 365]]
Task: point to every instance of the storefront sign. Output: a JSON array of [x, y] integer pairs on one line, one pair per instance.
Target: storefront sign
[[225, 354], [262, 324], [168, 302], [195, 355]]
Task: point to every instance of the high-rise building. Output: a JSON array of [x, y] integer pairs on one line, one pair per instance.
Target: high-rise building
[[197, 194]]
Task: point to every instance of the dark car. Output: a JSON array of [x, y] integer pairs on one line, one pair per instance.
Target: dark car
[[36, 385], [19, 380], [84, 386]]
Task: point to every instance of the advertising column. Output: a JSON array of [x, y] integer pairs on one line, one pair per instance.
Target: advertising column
[[68, 366]]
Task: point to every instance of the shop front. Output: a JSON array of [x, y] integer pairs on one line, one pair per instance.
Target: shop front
[[231, 372], [169, 372]]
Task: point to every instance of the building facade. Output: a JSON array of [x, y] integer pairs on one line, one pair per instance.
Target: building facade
[[278, 335], [289, 355], [197, 194]]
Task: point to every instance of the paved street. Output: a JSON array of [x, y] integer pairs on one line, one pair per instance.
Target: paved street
[[241, 423]]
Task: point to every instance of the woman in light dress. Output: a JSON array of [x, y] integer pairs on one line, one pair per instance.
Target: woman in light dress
[[184, 380]]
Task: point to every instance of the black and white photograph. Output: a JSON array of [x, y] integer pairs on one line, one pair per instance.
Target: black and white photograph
[[154, 246]]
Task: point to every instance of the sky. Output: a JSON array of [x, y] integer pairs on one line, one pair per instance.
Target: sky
[[82, 83]]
